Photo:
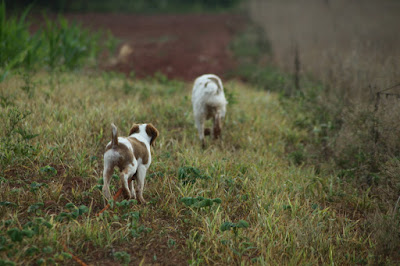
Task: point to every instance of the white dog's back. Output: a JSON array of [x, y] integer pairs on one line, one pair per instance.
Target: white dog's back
[[208, 90]]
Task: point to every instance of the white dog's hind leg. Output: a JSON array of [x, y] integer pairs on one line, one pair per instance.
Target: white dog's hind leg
[[217, 126], [199, 120]]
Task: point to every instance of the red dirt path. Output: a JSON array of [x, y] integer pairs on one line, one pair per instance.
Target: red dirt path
[[179, 46]]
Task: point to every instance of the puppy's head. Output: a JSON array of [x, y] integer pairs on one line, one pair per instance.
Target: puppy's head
[[148, 129], [152, 132]]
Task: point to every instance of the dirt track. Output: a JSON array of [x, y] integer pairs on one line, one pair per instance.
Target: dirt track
[[179, 46]]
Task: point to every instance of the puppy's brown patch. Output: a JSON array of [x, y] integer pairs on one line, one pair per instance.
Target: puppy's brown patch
[[139, 150], [134, 129], [152, 132], [125, 157]]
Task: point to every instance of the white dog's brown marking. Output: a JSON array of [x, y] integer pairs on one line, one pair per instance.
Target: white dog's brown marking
[[132, 156], [209, 102]]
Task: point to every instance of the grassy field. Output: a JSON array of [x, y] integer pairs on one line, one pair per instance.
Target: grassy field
[[296, 179], [239, 201]]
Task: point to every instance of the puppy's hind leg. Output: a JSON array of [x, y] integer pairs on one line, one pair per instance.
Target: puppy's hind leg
[[107, 173], [133, 192], [126, 180], [141, 175]]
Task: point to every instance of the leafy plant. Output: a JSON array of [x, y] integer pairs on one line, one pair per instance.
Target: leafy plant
[[35, 208], [6, 263], [189, 175], [36, 186], [31, 251], [73, 212], [171, 243], [126, 203], [199, 202], [16, 235], [8, 204], [48, 170], [122, 257], [227, 226]]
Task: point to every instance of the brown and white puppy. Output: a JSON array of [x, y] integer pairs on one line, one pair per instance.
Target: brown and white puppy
[[132, 156]]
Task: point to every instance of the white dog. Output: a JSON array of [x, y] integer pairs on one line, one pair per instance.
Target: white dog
[[209, 102], [132, 156]]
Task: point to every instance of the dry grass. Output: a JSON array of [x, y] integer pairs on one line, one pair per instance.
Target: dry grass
[[290, 210]]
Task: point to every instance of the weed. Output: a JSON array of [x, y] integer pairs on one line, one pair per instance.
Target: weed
[[35, 208], [171, 243], [227, 226], [189, 175], [122, 257], [199, 202], [48, 170], [73, 212]]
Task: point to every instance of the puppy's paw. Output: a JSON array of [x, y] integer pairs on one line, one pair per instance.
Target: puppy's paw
[[141, 200], [126, 193]]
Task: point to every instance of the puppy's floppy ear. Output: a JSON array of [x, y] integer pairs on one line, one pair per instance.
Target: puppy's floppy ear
[[134, 129], [152, 132]]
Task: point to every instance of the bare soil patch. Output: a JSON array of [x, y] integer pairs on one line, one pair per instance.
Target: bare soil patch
[[179, 46]]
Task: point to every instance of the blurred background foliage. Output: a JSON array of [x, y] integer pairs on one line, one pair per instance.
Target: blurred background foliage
[[127, 6]]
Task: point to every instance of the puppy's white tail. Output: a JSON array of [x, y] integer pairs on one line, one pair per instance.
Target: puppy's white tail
[[217, 82], [114, 140]]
